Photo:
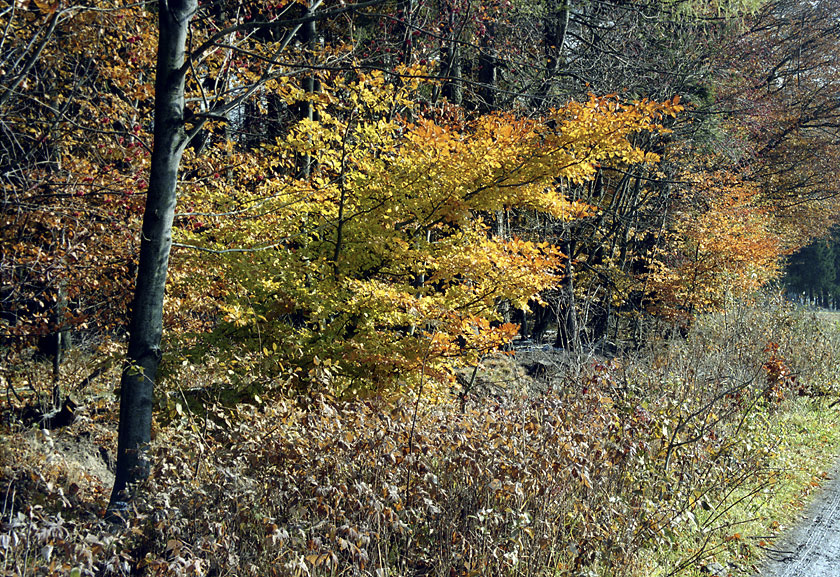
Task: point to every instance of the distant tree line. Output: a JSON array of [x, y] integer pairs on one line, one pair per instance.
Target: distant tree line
[[812, 275]]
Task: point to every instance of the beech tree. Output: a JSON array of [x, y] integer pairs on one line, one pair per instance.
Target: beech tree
[[175, 125], [146, 328]]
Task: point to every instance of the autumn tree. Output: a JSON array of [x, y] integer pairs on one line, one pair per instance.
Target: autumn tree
[[783, 108], [384, 265], [74, 160], [721, 242]]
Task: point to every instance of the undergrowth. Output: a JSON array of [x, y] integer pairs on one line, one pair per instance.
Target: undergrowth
[[691, 452]]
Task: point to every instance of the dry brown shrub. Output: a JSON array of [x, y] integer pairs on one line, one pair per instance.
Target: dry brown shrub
[[574, 473]]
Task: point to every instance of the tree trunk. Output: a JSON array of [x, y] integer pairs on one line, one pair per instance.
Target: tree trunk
[[556, 24], [146, 328], [568, 333], [405, 29], [62, 333], [542, 316], [450, 57], [488, 71], [555, 28], [309, 37]]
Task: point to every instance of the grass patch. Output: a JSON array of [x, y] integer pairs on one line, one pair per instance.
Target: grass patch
[[801, 448]]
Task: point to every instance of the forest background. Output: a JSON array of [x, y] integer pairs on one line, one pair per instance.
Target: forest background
[[363, 204]]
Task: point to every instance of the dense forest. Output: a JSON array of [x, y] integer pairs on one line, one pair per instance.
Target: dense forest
[[812, 274], [410, 287]]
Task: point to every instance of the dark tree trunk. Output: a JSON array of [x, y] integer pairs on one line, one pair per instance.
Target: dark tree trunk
[[542, 316], [568, 333], [488, 71], [555, 27], [146, 328], [522, 320], [450, 57]]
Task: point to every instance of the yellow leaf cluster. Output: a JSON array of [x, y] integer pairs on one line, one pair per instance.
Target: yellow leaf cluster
[[384, 259]]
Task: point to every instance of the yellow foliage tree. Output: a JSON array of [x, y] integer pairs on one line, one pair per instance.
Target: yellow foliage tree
[[381, 263]]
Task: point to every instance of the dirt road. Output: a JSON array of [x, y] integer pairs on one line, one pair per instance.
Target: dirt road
[[812, 549]]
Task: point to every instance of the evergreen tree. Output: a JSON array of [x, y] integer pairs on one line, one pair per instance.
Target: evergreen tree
[[813, 271]]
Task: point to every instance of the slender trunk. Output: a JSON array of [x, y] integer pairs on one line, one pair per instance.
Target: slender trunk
[[488, 71], [308, 35], [62, 334], [632, 212], [34, 57], [61, 342], [342, 199], [502, 232], [568, 333], [146, 328], [450, 57], [405, 29], [555, 28], [61, 337], [452, 88]]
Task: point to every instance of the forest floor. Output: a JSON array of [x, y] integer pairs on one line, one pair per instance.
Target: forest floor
[[80, 452]]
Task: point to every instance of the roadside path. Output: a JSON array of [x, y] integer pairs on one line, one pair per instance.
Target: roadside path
[[812, 548]]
